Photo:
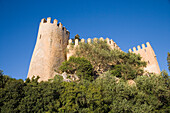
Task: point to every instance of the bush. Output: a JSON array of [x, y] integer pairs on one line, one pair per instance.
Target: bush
[[79, 66], [103, 95], [103, 58]]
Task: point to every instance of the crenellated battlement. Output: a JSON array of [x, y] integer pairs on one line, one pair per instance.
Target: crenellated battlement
[[53, 40], [111, 43], [55, 23], [49, 51], [139, 48], [148, 55], [72, 45]]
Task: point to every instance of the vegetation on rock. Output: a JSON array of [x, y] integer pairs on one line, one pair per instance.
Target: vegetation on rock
[[103, 58], [79, 66]]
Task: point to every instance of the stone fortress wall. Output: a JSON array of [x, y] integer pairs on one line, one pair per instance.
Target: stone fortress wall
[[148, 55], [51, 44], [49, 51], [72, 47]]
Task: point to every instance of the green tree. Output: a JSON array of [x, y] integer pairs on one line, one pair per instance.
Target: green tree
[[155, 92], [168, 59], [11, 94], [99, 54], [3, 79], [103, 58], [104, 94], [166, 78], [79, 66], [130, 66], [41, 97]]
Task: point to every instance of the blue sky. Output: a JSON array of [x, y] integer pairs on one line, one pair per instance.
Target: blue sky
[[128, 22]]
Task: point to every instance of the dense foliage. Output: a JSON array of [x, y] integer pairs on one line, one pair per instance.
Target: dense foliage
[[150, 94], [79, 66], [110, 91], [168, 59], [103, 58]]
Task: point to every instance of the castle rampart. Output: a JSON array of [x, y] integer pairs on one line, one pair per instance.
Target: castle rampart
[[71, 46], [49, 51], [111, 43], [53, 40], [147, 53]]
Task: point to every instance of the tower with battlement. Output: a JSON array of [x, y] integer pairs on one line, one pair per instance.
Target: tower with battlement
[[148, 55], [49, 51], [53, 40]]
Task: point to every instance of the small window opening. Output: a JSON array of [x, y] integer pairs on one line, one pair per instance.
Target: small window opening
[[60, 41], [51, 42], [148, 62], [145, 50], [40, 36]]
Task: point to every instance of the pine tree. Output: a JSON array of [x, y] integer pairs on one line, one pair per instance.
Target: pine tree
[[168, 59]]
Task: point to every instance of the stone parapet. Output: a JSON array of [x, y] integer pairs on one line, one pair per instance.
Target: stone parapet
[[55, 23], [49, 51], [148, 55], [110, 42], [72, 45]]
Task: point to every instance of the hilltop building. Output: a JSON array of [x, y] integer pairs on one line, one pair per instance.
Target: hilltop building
[[51, 44]]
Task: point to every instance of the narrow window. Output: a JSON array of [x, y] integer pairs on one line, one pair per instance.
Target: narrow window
[[60, 41], [40, 36], [51, 42], [145, 50], [148, 62]]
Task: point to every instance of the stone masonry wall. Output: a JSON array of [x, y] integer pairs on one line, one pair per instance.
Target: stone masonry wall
[[49, 51], [148, 55]]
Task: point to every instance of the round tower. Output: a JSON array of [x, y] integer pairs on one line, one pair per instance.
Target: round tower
[[49, 51]]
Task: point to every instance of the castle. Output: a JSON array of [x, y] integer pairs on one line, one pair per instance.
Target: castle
[[51, 44]]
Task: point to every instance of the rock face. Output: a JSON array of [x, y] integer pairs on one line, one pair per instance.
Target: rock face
[[68, 77], [49, 51]]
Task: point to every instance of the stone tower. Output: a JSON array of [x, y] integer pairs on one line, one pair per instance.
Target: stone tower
[[49, 51], [148, 55]]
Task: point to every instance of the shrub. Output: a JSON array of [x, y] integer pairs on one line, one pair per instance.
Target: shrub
[[79, 66]]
